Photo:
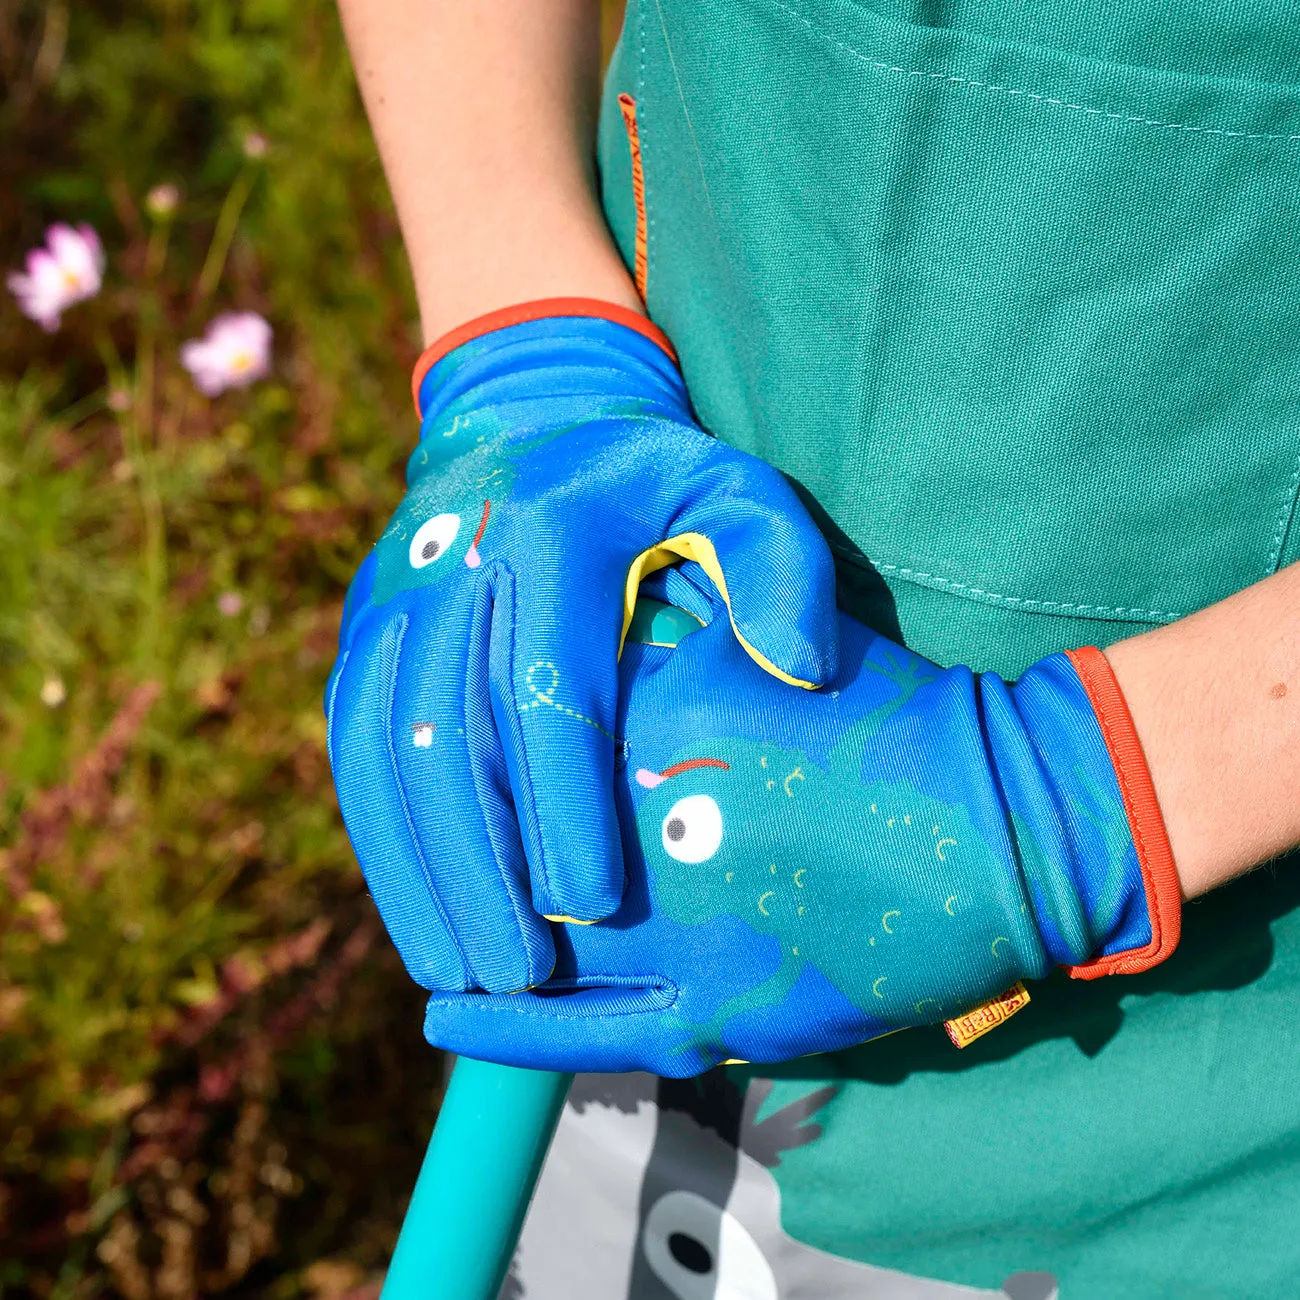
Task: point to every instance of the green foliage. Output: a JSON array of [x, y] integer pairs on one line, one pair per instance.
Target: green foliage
[[212, 1078]]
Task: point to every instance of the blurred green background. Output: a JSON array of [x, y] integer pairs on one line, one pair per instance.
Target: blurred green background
[[212, 1078]]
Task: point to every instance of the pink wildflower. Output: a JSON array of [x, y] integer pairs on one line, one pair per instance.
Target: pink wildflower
[[163, 200], [69, 269], [234, 351], [230, 603]]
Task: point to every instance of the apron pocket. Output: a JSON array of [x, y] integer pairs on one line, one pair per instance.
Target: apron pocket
[[1025, 324]]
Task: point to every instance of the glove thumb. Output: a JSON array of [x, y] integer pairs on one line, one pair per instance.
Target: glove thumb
[[773, 570]]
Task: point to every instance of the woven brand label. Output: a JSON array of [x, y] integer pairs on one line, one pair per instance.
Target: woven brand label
[[964, 1030]]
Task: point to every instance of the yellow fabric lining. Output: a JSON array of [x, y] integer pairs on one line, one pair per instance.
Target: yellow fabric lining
[[697, 547], [567, 920]]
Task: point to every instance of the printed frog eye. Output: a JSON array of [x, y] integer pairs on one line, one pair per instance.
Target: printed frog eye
[[433, 539], [701, 1252], [692, 830]]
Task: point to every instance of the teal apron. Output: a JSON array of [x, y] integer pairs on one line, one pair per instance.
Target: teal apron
[[1012, 294]]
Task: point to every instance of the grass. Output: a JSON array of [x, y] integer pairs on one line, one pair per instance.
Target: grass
[[212, 1080]]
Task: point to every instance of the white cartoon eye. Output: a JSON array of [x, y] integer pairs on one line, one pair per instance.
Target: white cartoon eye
[[700, 1252], [693, 829], [432, 539]]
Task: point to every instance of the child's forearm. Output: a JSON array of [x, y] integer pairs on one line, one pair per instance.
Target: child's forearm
[[1216, 701], [484, 112]]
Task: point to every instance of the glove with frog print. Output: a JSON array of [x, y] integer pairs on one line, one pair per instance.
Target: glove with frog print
[[557, 451], [812, 870]]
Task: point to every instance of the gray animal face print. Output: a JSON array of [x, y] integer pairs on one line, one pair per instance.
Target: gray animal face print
[[643, 1201]]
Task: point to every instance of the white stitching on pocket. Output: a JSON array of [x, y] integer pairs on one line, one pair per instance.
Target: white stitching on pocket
[[1023, 602], [1283, 521], [949, 79]]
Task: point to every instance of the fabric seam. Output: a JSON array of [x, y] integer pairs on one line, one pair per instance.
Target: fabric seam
[[1285, 516], [520, 1008], [686, 112], [406, 807], [329, 707], [526, 773], [639, 95], [925, 579], [971, 84], [640, 244], [506, 883]]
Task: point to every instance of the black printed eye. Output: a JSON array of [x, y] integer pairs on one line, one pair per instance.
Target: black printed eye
[[690, 1252], [700, 1251], [692, 830], [432, 539]]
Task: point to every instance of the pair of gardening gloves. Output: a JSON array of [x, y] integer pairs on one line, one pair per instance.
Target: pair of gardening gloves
[[630, 792]]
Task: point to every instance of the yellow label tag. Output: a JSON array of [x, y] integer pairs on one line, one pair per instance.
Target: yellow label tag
[[964, 1030]]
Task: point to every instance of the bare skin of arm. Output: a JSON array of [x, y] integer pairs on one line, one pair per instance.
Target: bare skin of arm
[[1215, 698], [485, 113]]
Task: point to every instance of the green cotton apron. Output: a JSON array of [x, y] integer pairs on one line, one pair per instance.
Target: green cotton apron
[[1011, 291]]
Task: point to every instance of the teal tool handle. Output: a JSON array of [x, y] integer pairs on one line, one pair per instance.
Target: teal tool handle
[[478, 1176]]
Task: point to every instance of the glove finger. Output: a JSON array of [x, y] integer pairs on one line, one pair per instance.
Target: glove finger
[[354, 602], [555, 696], [770, 564], [450, 765], [605, 1029], [375, 811]]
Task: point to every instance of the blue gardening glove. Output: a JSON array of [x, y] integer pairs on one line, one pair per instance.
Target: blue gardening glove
[[809, 871], [557, 455]]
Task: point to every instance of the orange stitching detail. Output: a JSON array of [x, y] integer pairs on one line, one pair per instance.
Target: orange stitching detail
[[541, 309], [1155, 858], [641, 264]]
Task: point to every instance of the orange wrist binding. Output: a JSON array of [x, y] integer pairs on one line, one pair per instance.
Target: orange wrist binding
[[526, 311], [1146, 824]]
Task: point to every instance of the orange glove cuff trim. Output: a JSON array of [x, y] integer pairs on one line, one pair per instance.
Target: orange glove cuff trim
[[541, 309], [1146, 823]]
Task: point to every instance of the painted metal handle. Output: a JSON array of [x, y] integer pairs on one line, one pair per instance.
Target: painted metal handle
[[478, 1176]]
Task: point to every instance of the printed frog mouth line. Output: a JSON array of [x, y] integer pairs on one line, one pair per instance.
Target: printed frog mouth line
[[649, 780], [472, 557]]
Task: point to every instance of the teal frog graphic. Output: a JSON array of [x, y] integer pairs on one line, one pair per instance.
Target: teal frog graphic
[[458, 479], [862, 881], [460, 476]]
